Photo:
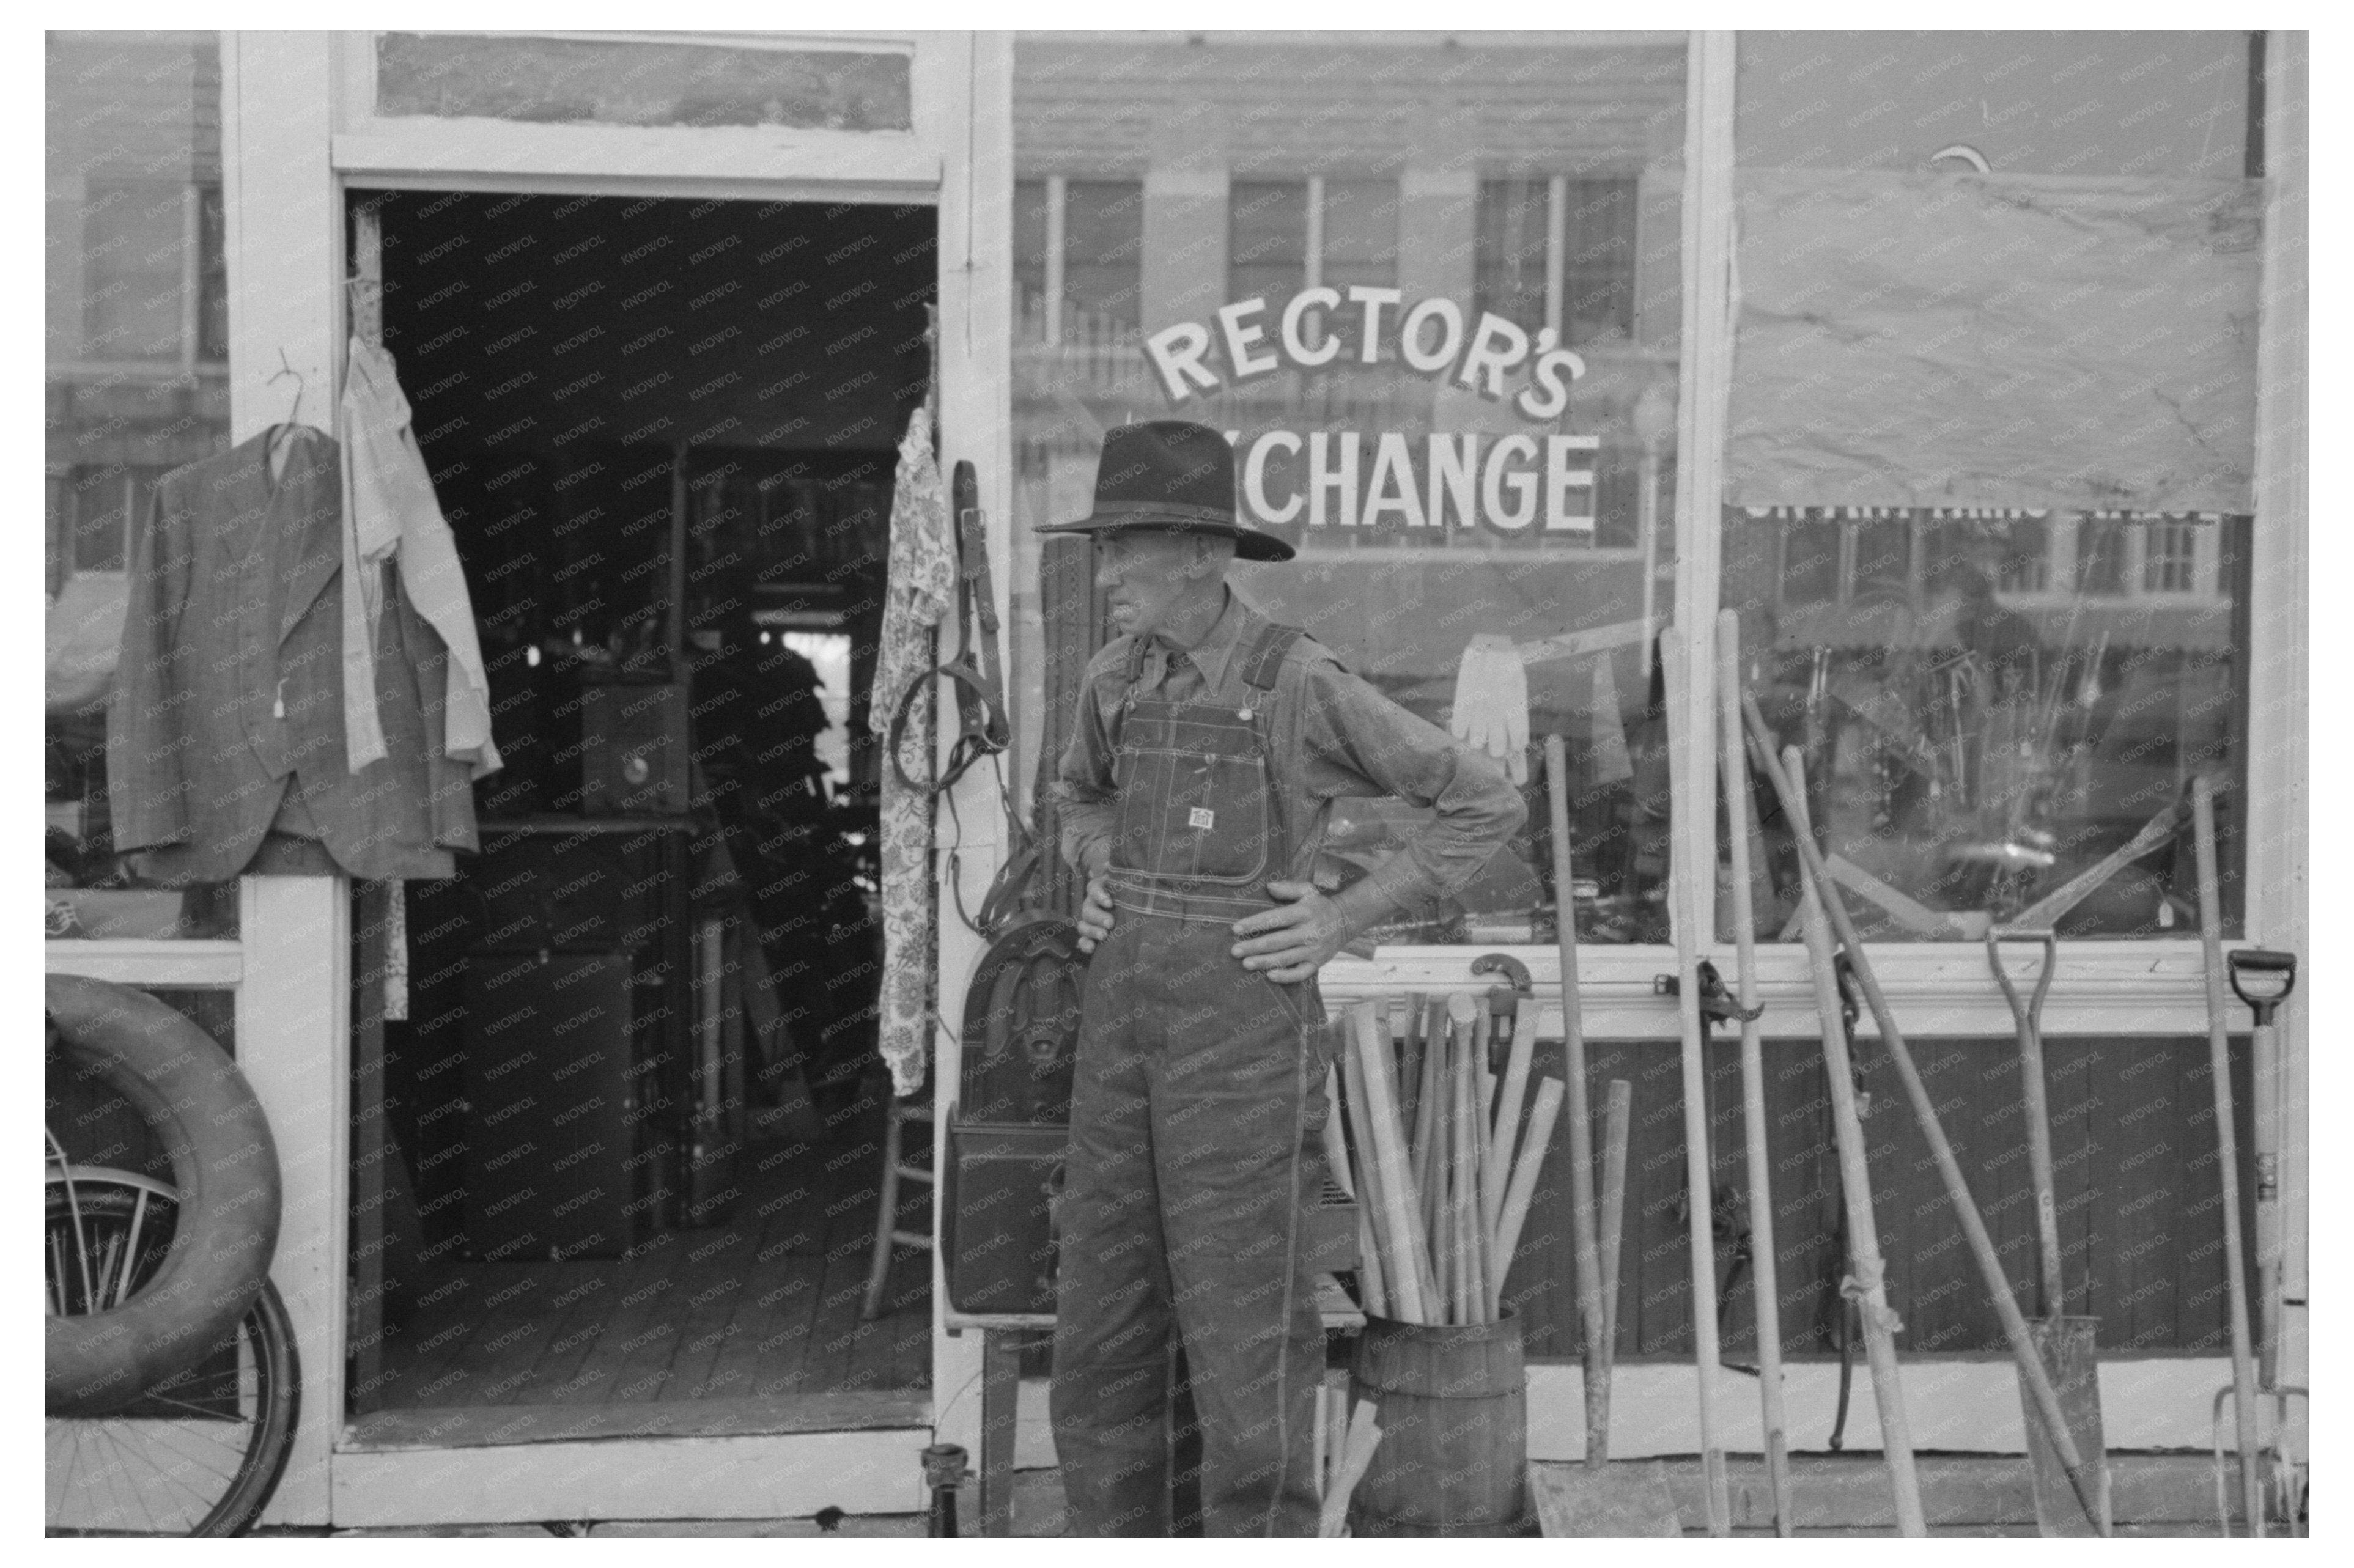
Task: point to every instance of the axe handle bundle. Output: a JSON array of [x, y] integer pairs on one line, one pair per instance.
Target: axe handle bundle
[[1496, 1171], [1925, 1114], [1515, 1211], [1387, 1179]]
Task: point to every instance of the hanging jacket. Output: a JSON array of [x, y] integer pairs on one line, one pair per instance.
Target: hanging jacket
[[228, 698], [390, 514]]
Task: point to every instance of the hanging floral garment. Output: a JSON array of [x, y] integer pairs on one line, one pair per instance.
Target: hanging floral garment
[[922, 589]]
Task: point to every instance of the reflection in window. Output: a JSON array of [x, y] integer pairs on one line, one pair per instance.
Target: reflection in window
[[1559, 252], [1284, 236], [2169, 557], [1103, 250], [1509, 265], [1078, 252], [134, 248], [1455, 549], [2101, 555], [1975, 741], [1267, 238]]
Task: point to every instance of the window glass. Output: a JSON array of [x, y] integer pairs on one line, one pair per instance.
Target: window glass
[[1267, 238], [1103, 252], [1990, 465], [1973, 744], [133, 251], [1031, 202], [1473, 514], [136, 284], [1511, 278], [1597, 260], [1360, 238], [212, 275]]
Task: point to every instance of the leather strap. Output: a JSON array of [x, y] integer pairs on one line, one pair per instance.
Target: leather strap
[[983, 727]]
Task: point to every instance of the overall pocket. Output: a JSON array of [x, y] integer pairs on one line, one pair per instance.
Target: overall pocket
[[1192, 799]]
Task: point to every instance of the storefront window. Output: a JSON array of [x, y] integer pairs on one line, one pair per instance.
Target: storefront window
[[1974, 743], [1988, 525], [1449, 371], [136, 284]]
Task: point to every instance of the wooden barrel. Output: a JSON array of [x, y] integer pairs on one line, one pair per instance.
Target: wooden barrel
[[1454, 1413]]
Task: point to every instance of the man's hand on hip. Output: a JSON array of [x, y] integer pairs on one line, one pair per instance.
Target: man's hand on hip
[[1094, 913], [1290, 942]]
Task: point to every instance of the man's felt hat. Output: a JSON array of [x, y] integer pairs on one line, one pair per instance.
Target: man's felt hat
[[1170, 474]]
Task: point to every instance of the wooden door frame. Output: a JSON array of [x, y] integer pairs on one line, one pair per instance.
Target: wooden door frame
[[298, 134]]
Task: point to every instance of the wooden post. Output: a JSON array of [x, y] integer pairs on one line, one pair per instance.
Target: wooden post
[[1867, 1278]]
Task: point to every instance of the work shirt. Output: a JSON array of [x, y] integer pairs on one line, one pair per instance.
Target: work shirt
[[1334, 735]]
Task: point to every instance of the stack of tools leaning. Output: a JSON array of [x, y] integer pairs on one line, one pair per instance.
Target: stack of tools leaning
[[1443, 1173]]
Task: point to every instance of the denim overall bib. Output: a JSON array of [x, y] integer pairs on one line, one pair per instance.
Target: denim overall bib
[[1198, 1100]]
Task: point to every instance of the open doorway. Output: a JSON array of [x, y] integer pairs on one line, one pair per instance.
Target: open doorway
[[631, 1123]]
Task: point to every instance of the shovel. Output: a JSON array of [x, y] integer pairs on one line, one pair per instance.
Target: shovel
[[2063, 1344]]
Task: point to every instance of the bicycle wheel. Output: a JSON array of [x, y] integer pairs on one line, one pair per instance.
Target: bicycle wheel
[[197, 1453]]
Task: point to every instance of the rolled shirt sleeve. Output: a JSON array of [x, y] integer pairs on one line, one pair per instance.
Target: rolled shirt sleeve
[[1082, 794], [1352, 736]]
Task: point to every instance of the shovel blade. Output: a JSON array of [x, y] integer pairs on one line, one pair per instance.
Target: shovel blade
[[2064, 1345], [1618, 1501]]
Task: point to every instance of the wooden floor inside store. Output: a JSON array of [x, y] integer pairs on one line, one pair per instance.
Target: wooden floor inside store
[[750, 1324]]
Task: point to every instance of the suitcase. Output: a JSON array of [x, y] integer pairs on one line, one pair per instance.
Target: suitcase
[[997, 1218]]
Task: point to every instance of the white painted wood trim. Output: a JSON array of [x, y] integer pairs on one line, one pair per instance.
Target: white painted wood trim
[[284, 227], [976, 251], [2279, 608], [1958, 1407], [775, 1477], [1059, 192], [1938, 988], [293, 1044], [504, 155], [1705, 389], [190, 965]]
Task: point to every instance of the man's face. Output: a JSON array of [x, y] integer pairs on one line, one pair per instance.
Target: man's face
[[1143, 571]]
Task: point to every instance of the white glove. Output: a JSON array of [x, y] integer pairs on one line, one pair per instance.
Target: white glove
[[1492, 703]]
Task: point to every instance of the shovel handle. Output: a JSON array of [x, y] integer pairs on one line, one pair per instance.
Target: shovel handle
[[2244, 962], [2030, 1016]]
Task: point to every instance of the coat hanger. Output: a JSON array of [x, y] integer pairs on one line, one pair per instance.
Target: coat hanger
[[278, 436]]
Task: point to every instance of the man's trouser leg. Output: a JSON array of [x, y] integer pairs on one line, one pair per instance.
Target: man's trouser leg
[[1112, 1322], [1230, 1075]]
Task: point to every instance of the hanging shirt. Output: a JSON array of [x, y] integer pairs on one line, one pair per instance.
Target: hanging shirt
[[390, 515], [922, 587]]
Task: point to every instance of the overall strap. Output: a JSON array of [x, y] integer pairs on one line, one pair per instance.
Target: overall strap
[[1264, 660]]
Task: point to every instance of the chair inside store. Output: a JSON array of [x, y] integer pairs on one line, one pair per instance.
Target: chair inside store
[[632, 1120]]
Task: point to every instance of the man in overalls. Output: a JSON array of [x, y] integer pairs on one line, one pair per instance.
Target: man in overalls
[[1206, 752]]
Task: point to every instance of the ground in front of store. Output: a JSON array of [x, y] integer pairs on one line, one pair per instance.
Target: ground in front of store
[[2153, 1495]]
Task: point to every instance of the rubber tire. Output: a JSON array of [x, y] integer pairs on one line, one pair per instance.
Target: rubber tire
[[224, 1166], [272, 1332]]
